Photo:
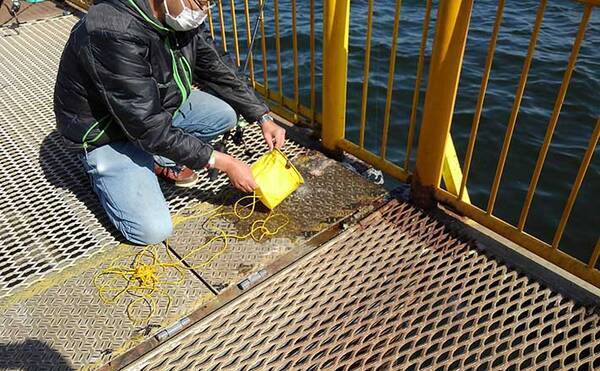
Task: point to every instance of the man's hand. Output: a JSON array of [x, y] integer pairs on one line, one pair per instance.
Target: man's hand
[[274, 134], [240, 174]]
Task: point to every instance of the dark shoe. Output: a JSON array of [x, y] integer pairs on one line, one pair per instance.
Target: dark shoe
[[180, 175]]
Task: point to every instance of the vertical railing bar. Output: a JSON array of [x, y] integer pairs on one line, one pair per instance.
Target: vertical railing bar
[[263, 44], [554, 118], [249, 42], [278, 49], [295, 51], [235, 35], [365, 87], [336, 31], [210, 22], [595, 254], [222, 20], [480, 99], [390, 85], [515, 108], [416, 92], [585, 163], [313, 93]]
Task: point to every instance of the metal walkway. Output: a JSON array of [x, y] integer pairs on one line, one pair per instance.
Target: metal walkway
[[392, 290], [55, 236]]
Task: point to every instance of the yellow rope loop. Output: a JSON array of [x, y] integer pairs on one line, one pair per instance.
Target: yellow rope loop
[[145, 274], [147, 278]]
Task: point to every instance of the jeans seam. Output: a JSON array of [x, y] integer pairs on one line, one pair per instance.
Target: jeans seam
[[120, 225]]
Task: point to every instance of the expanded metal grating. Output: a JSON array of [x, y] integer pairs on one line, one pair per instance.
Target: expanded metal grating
[[397, 291], [43, 191], [49, 216]]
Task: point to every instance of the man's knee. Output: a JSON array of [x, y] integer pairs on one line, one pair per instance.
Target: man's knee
[[150, 230], [228, 117]]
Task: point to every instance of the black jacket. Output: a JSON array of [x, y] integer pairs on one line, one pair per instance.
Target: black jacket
[[123, 75]]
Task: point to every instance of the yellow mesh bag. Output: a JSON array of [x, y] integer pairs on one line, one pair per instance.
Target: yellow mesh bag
[[276, 177]]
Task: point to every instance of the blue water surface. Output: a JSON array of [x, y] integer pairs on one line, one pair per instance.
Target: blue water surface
[[578, 117]]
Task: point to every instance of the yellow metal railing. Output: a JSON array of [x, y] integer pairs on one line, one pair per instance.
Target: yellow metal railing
[[290, 106], [436, 157], [452, 25]]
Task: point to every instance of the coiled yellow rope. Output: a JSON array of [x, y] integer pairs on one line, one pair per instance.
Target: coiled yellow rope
[[146, 279]]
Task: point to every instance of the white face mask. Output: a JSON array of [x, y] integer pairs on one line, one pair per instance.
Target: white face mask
[[187, 20]]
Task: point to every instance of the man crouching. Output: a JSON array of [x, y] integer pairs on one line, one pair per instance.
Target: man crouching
[[124, 98]]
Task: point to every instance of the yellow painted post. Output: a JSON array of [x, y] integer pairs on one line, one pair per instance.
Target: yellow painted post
[[336, 20], [446, 61], [452, 173]]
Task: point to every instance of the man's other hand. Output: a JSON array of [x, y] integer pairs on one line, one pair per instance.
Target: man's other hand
[[274, 134], [240, 174]]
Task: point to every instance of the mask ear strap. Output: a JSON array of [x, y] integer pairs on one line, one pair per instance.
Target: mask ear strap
[[167, 8]]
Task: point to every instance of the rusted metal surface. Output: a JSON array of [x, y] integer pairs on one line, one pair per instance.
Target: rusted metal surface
[[56, 236], [398, 292], [330, 193], [30, 12], [233, 292], [394, 290]]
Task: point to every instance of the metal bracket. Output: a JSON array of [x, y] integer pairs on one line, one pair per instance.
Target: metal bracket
[[252, 279], [172, 330]]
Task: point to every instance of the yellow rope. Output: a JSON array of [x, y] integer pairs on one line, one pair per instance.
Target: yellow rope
[[145, 277]]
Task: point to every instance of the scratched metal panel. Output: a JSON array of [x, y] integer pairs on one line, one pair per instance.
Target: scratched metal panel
[[395, 292], [49, 215], [330, 193]]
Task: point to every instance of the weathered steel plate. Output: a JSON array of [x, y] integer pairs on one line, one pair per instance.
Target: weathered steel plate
[[330, 193], [61, 323]]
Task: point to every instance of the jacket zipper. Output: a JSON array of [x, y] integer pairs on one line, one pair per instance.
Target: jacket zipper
[[86, 144]]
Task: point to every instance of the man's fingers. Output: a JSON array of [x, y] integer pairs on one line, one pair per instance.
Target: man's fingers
[[280, 139], [269, 140]]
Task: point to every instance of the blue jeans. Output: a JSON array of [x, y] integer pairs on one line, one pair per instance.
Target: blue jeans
[[122, 174]]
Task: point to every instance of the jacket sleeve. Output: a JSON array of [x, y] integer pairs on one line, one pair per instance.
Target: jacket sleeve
[[121, 71], [212, 72]]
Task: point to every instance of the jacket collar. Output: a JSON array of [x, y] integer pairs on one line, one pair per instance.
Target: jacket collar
[[141, 10]]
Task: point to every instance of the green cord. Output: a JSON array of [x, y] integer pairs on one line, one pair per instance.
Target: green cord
[[189, 71], [89, 130]]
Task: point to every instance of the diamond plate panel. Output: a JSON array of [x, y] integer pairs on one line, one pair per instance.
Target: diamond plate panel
[[67, 326], [330, 193], [395, 292]]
